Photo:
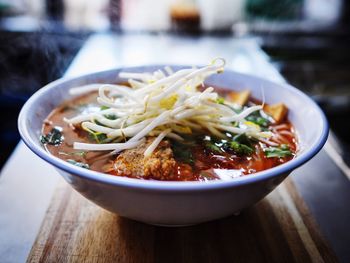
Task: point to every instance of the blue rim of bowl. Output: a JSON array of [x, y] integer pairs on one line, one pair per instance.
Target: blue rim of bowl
[[285, 168]]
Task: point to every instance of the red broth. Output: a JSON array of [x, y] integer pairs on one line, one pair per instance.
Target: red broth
[[194, 160]]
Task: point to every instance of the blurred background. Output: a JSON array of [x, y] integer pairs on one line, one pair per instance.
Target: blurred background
[[308, 41]]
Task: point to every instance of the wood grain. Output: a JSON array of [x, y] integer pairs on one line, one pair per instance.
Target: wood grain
[[277, 229]]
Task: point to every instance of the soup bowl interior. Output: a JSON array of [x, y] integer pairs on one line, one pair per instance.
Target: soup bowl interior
[[178, 203]]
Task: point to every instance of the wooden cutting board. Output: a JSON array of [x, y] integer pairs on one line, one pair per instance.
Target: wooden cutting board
[[277, 229]]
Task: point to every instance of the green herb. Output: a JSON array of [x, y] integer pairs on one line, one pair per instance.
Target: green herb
[[98, 123], [108, 116], [212, 146], [104, 107], [256, 118], [282, 151], [54, 137], [239, 148], [243, 139], [79, 164], [220, 100], [237, 110], [98, 137], [182, 153], [240, 144], [111, 117]]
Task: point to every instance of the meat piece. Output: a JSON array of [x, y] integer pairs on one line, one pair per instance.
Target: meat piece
[[160, 165]]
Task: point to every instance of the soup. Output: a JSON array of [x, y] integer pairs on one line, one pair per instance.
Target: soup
[[169, 126]]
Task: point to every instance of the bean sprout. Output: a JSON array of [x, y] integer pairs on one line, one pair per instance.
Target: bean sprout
[[163, 104]]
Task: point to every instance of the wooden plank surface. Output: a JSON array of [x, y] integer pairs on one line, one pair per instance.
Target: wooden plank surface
[[277, 229]]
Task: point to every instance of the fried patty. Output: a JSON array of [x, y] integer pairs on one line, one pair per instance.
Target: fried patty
[[160, 165]]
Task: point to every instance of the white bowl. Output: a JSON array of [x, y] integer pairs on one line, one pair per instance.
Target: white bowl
[[177, 203]]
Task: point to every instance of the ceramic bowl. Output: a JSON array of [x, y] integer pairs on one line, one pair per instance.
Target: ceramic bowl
[[177, 203]]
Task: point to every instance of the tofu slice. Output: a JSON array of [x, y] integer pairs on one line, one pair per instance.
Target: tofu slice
[[277, 111], [239, 97]]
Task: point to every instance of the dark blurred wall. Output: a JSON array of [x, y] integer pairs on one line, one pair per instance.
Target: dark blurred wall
[[345, 15], [54, 9], [28, 61], [274, 10]]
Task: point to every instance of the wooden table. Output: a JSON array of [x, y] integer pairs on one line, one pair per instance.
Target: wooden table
[[75, 229]]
